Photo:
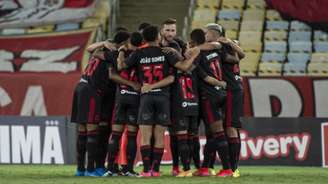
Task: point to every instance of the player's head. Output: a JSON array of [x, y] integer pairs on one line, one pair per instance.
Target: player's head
[[121, 38], [151, 34], [197, 37], [136, 39], [142, 26], [169, 29], [213, 32]]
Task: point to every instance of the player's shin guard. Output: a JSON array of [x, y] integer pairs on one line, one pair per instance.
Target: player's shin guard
[[195, 147], [131, 150], [174, 150], [209, 149], [113, 148], [81, 145], [184, 151], [92, 149], [102, 146], [145, 154], [158, 153], [222, 148]]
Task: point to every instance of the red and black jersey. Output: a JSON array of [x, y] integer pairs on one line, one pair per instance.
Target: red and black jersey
[[210, 63], [231, 72], [96, 74], [152, 65], [124, 93], [184, 92]]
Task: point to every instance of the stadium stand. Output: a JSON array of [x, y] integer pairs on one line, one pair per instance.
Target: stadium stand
[[273, 46]]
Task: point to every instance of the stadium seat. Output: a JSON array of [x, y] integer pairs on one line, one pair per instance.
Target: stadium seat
[[273, 15], [258, 4], [208, 3], [275, 46], [300, 46], [253, 15], [275, 35], [13, 31], [299, 36], [251, 47], [318, 69], [233, 4], [321, 46], [270, 69], [290, 69], [67, 27], [299, 26], [248, 65], [273, 57], [229, 14], [298, 57], [320, 36], [231, 34], [277, 25], [252, 26], [250, 36], [229, 24], [319, 57], [41, 29], [204, 15]]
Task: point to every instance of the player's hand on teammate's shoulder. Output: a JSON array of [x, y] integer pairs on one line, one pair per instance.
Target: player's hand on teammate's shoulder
[[110, 46], [123, 48], [146, 88]]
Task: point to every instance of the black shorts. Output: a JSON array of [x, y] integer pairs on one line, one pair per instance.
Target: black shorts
[[107, 107], [86, 106], [211, 109], [125, 113], [182, 123], [234, 108], [154, 110]]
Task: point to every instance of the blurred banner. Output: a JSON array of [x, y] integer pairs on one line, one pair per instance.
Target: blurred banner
[[31, 140], [276, 141], [55, 52], [37, 94], [285, 96], [264, 141], [22, 13], [314, 11]]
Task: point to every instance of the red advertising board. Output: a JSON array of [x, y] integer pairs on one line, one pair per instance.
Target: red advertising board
[[39, 94], [285, 97]]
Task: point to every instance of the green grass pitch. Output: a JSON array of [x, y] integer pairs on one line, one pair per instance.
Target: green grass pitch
[[36, 174]]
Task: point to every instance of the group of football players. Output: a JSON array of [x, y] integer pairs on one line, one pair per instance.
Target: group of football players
[[150, 81]]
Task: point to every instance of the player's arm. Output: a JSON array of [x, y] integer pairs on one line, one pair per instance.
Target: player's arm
[[210, 46], [214, 82], [210, 80], [113, 75], [234, 45], [99, 53], [122, 61], [162, 83], [97, 45], [186, 64]]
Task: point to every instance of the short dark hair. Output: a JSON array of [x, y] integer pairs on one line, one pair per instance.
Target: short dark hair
[[143, 25], [150, 33], [136, 39], [197, 36], [169, 21], [121, 36]]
